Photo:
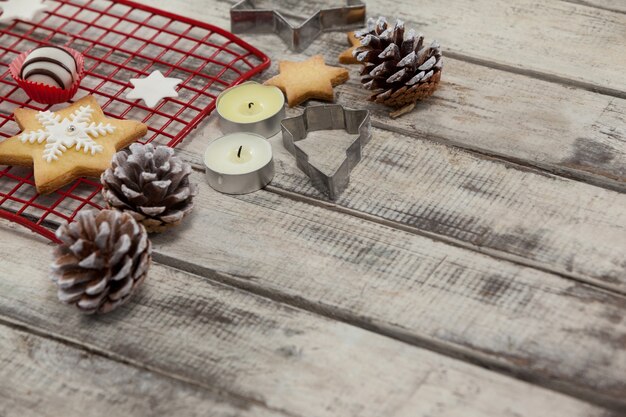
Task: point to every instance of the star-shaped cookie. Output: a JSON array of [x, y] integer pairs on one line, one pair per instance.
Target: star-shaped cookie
[[305, 80], [20, 9], [73, 142], [153, 88], [347, 57]]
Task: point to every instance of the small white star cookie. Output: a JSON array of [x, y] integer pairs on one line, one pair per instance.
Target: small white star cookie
[[20, 9], [153, 88]]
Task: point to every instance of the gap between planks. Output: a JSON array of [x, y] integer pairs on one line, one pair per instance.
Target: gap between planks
[[515, 162], [483, 360], [221, 17], [198, 250], [499, 255], [513, 398], [524, 62], [141, 389], [364, 321], [195, 161], [616, 6], [601, 172], [560, 154], [540, 75]]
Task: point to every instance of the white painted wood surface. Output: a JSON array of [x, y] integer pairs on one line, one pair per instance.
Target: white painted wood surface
[[453, 250], [527, 216], [264, 353], [42, 377], [551, 39], [512, 116], [613, 5], [409, 287]]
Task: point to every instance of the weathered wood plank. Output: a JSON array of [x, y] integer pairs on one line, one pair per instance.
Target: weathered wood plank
[[40, 377], [409, 287], [565, 130], [529, 35], [614, 5], [570, 131], [553, 247], [538, 219], [283, 358]]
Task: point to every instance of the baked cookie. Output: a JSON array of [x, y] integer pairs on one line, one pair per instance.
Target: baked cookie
[[76, 141], [347, 56], [301, 81]]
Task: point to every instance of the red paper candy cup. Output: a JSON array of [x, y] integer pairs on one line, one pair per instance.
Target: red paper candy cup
[[47, 94]]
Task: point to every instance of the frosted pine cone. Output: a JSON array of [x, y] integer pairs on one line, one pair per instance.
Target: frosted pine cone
[[399, 71], [103, 258], [151, 184]]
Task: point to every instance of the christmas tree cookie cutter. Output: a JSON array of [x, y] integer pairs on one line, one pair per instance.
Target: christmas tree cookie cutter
[[245, 17], [328, 117]]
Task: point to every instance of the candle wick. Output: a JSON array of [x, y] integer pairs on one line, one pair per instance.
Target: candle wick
[[250, 105], [239, 152]]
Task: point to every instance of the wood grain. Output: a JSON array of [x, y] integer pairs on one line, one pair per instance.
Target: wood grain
[[570, 131], [613, 5], [497, 208], [368, 261], [527, 216], [409, 287], [278, 357], [542, 38], [41, 377]]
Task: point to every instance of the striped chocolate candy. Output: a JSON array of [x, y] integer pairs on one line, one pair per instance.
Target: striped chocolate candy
[[50, 65]]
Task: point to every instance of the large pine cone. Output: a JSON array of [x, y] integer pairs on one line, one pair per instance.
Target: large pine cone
[[104, 256], [151, 184], [399, 71]]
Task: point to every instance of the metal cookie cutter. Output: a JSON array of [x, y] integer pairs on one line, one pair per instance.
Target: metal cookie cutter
[[328, 117], [246, 18]]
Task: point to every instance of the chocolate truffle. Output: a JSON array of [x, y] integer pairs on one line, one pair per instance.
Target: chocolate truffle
[[50, 65]]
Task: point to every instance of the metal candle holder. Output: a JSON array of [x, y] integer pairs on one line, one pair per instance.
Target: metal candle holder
[[266, 127], [239, 183]]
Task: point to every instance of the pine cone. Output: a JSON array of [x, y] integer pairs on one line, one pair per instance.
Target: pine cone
[[151, 184], [104, 256], [400, 71]]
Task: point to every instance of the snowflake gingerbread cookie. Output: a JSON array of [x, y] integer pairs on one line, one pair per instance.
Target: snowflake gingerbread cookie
[[74, 142]]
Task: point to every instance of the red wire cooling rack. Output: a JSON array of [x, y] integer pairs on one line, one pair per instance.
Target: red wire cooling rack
[[120, 40]]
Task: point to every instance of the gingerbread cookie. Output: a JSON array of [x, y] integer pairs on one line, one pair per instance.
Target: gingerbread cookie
[[301, 81], [347, 56], [76, 141]]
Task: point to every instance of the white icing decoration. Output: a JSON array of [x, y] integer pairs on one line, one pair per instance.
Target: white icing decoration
[[62, 134]]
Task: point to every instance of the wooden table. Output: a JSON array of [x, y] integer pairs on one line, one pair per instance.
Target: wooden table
[[476, 266]]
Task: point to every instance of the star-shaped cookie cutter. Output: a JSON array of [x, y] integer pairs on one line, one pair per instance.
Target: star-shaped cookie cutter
[[328, 117], [245, 17]]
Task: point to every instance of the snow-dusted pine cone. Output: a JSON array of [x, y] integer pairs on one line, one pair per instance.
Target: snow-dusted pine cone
[[399, 71], [151, 184], [104, 256]]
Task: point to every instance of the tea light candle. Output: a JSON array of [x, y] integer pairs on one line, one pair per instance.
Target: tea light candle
[[239, 163], [251, 107]]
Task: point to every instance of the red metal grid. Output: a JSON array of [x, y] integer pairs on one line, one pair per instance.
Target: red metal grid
[[120, 40]]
